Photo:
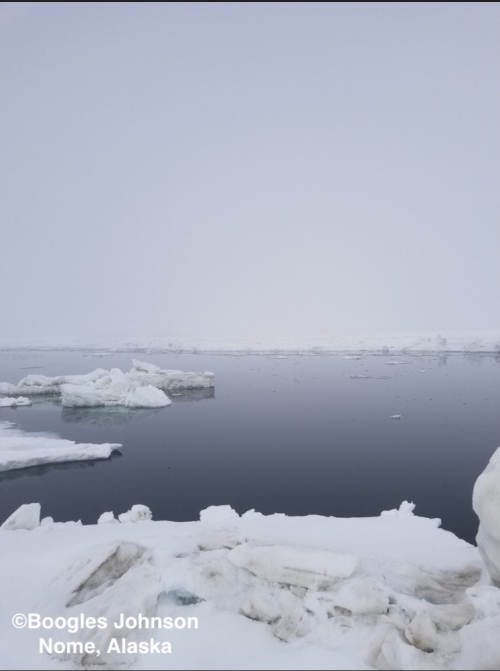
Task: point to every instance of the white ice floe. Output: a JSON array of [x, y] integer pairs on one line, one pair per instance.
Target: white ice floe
[[396, 416], [142, 387], [114, 388], [388, 592], [148, 373], [12, 402], [19, 449]]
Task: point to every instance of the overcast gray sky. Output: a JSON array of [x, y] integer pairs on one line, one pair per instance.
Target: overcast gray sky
[[248, 169]]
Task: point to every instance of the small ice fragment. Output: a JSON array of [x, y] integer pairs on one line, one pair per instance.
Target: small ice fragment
[[396, 416], [304, 567], [137, 513]]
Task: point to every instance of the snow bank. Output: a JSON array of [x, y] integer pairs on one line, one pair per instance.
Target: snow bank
[[486, 504], [11, 402], [19, 449], [389, 592]]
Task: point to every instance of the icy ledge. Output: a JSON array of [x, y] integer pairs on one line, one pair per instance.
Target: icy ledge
[[388, 592], [19, 449], [142, 387]]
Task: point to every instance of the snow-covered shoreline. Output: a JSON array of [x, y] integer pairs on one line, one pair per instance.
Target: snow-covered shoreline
[[485, 342], [390, 592]]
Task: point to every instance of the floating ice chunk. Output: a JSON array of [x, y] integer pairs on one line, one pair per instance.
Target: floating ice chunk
[[352, 356], [396, 416], [137, 513], [395, 363], [19, 449], [424, 370], [10, 402], [142, 375], [107, 518], [47, 521], [405, 510], [114, 388], [486, 504], [33, 385], [303, 567], [26, 516], [218, 514], [147, 373]]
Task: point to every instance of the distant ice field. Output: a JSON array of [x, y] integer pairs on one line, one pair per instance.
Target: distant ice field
[[297, 434]]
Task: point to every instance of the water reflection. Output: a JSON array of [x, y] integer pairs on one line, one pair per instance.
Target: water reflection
[[110, 416], [192, 394]]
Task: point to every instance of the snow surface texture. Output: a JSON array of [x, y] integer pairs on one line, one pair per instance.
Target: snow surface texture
[[388, 592], [19, 449], [141, 387], [385, 343]]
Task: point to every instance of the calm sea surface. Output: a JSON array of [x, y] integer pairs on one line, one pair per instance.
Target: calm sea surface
[[298, 435]]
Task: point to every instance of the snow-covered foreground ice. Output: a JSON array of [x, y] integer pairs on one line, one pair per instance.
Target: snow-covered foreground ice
[[388, 592], [142, 387], [486, 504], [19, 449]]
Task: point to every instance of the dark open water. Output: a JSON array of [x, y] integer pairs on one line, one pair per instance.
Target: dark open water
[[295, 435]]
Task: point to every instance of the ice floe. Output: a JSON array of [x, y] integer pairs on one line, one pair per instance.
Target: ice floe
[[148, 373], [12, 402], [114, 388], [19, 449], [142, 387]]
